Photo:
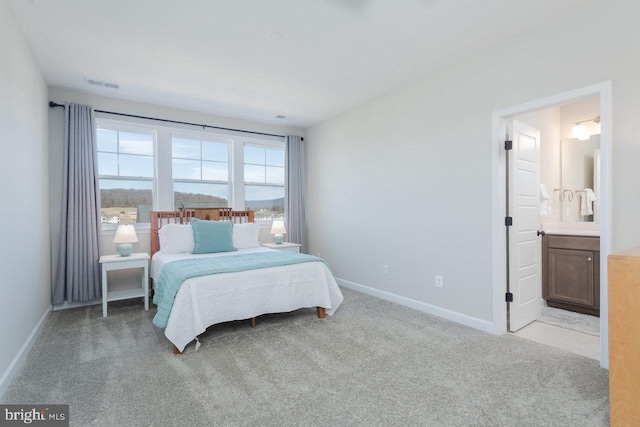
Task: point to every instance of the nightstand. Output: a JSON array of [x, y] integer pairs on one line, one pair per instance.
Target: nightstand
[[286, 246], [117, 262]]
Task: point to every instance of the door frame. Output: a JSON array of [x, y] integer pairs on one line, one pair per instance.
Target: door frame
[[499, 196]]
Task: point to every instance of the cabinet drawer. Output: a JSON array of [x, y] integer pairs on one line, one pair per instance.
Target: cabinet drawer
[[585, 243]]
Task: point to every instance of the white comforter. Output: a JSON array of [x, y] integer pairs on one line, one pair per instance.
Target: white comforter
[[207, 300]]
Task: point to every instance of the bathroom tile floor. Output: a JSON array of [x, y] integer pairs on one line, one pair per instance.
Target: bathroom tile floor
[[564, 339]]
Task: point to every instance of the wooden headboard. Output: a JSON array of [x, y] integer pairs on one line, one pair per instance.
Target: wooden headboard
[[184, 216]]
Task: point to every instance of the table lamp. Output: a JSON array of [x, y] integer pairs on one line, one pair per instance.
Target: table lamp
[[277, 229], [124, 239]]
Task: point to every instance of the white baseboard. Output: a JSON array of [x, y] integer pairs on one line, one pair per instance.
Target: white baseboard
[[463, 319], [19, 359], [75, 304]]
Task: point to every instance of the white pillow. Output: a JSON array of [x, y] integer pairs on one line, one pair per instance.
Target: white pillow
[[176, 238], [246, 235]]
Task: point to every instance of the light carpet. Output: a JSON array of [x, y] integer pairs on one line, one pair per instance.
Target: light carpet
[[373, 363], [569, 320]]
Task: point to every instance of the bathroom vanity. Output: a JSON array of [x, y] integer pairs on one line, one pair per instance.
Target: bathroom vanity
[[571, 272]]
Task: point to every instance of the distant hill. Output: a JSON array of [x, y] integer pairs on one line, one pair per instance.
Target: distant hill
[[125, 197], [274, 205], [198, 199]]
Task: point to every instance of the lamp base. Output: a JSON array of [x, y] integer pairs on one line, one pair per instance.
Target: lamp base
[[278, 239], [124, 249]]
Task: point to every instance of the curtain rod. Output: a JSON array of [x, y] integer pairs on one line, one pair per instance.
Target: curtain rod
[[55, 104]]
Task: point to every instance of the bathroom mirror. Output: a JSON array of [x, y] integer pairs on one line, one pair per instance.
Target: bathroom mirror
[[579, 170]]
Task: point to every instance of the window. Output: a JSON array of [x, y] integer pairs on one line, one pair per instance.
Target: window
[[264, 179], [126, 171], [200, 170], [146, 167]]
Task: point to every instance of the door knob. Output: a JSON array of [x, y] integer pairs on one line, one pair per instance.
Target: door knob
[[588, 259], [540, 233]]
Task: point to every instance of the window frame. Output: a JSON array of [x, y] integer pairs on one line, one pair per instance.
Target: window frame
[[266, 144], [162, 188], [120, 126], [210, 137]]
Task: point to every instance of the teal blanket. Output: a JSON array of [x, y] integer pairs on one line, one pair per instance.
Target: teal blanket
[[173, 274]]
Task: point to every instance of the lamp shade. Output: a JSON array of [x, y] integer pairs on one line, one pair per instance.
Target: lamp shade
[[277, 229], [126, 233], [125, 237]]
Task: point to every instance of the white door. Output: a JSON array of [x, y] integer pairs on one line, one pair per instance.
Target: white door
[[523, 192]]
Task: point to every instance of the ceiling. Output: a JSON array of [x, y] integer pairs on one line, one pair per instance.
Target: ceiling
[[220, 57]]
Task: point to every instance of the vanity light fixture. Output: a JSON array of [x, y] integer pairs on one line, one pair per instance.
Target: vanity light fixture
[[581, 132]]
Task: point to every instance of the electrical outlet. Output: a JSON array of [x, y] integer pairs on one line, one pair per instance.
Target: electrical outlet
[[385, 269], [439, 281]]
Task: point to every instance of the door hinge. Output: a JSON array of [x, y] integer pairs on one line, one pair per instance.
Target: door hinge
[[508, 221], [509, 297], [508, 145]]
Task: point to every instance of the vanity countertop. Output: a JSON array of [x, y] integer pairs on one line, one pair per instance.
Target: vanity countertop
[[572, 228], [575, 233]]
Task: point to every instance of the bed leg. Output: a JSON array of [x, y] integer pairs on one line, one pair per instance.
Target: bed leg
[[253, 322], [176, 351], [320, 311]]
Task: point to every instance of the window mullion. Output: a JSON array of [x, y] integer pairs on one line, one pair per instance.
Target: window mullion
[[118, 149]]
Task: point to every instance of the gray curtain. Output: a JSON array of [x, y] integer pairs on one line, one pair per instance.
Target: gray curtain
[[78, 275], [296, 180]]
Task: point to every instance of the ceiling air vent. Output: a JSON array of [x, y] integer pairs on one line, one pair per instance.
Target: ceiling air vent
[[102, 84]]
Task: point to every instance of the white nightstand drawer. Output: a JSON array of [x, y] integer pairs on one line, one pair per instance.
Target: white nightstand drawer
[[286, 246]]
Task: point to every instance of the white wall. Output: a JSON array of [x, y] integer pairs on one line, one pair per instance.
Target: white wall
[[128, 278], [25, 296], [405, 179]]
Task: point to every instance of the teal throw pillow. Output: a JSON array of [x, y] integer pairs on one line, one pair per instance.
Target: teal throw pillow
[[212, 236]]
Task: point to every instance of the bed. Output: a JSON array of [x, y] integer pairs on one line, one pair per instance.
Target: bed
[[208, 299]]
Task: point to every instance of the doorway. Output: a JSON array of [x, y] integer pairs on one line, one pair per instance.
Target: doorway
[[500, 266], [556, 240]]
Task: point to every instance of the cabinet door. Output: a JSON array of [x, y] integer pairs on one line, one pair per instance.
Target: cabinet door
[[571, 276]]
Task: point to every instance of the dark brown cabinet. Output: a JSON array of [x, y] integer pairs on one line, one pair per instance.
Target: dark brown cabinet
[[571, 273]]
